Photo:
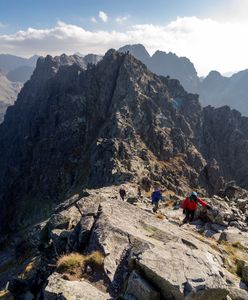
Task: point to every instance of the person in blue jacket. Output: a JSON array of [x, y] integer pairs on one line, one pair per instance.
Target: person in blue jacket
[[156, 198]]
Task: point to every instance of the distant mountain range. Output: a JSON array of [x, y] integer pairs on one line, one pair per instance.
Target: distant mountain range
[[163, 63], [17, 69], [218, 90], [8, 94], [215, 89], [14, 71]]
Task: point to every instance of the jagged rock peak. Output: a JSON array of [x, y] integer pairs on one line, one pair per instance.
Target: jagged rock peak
[[57, 61], [137, 50], [214, 74]]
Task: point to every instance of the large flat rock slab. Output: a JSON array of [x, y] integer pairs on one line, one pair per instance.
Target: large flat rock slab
[[59, 288]]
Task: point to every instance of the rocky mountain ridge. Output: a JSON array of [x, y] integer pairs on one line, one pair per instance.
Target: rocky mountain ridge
[[76, 134], [12, 80], [112, 123], [215, 89]]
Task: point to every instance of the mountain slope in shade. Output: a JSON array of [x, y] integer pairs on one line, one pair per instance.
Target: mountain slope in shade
[[11, 84], [111, 123]]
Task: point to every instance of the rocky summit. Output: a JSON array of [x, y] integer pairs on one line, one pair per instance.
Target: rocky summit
[[77, 132]]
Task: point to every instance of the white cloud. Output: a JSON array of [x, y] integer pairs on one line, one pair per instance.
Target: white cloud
[[235, 10], [93, 20], [208, 44], [103, 16], [122, 19]]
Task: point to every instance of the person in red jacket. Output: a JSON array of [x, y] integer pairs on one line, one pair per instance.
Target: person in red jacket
[[189, 206]]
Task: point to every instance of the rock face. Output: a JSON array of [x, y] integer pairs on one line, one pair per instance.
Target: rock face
[[111, 123], [18, 70]]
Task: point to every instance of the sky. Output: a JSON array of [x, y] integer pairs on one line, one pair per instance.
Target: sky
[[211, 33]]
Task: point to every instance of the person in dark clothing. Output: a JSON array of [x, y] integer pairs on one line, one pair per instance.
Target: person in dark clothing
[[156, 198], [189, 206], [122, 193]]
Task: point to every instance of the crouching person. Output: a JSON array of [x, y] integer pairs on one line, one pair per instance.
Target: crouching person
[[189, 206]]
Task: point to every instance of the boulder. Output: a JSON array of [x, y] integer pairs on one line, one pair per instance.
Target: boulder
[[235, 236], [175, 262], [58, 288], [242, 203]]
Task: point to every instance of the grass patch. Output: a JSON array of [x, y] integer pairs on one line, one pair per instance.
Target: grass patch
[[233, 261], [74, 265], [95, 259], [169, 203], [240, 266], [71, 264], [239, 246], [160, 216]]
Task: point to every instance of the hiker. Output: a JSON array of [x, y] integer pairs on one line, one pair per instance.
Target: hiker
[[189, 206], [156, 198], [122, 193], [139, 192]]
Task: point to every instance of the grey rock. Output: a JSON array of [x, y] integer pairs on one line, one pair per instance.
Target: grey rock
[[58, 288], [140, 289], [174, 262], [242, 203]]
